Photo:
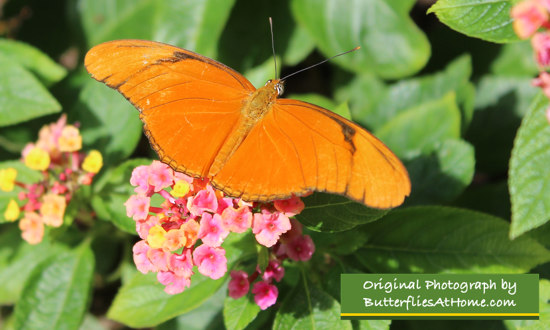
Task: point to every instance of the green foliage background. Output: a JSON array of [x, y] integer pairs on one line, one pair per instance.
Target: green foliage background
[[449, 93]]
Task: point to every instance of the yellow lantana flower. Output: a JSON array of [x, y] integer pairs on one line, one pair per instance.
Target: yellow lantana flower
[[37, 159], [7, 178], [12, 211], [70, 139], [93, 162]]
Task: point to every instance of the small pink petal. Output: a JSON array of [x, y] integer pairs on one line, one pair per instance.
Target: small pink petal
[[541, 45], [211, 230], [204, 200], [160, 176], [137, 207], [268, 227], [265, 294], [290, 207], [237, 221], [143, 226], [143, 264], [274, 270], [140, 179], [238, 285], [174, 284], [181, 264], [301, 248], [528, 17], [210, 261]]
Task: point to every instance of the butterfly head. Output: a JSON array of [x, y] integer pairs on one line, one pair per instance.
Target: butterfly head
[[277, 84]]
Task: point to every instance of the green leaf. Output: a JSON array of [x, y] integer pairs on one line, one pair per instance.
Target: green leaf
[[109, 122], [372, 324], [392, 45], [340, 243], [492, 198], [142, 302], [18, 261], [246, 39], [362, 92], [33, 60], [515, 60], [22, 96], [195, 25], [419, 128], [206, 316], [485, 19], [500, 104], [333, 213], [405, 94], [299, 46], [238, 313], [91, 322], [112, 190], [442, 174], [544, 309], [308, 307], [24, 175], [56, 295], [446, 240], [529, 189]]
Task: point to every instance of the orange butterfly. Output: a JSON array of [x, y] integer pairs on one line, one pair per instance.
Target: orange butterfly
[[207, 120]]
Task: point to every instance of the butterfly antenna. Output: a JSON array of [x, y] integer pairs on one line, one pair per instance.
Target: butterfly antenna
[[273, 45], [316, 64]]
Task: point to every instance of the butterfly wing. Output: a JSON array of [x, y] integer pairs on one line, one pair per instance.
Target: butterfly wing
[[189, 103], [300, 147]]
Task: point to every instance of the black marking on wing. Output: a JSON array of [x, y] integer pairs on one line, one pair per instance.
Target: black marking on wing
[[347, 131]]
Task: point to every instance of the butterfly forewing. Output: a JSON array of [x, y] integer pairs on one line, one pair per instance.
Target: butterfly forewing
[[189, 104]]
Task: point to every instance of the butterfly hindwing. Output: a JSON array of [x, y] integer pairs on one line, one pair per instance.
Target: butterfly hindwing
[[305, 147]]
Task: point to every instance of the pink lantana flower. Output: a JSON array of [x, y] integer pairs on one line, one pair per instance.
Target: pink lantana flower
[[140, 251], [192, 210], [210, 261], [174, 284], [290, 207], [274, 271], [268, 227], [528, 17], [265, 294], [204, 200], [32, 228], [140, 179], [238, 285], [182, 264], [160, 176], [300, 248], [541, 45], [137, 207], [237, 221], [543, 81], [143, 226], [211, 230]]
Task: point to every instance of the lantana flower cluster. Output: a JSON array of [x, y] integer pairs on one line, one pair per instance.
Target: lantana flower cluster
[[191, 224], [63, 167], [532, 20]]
